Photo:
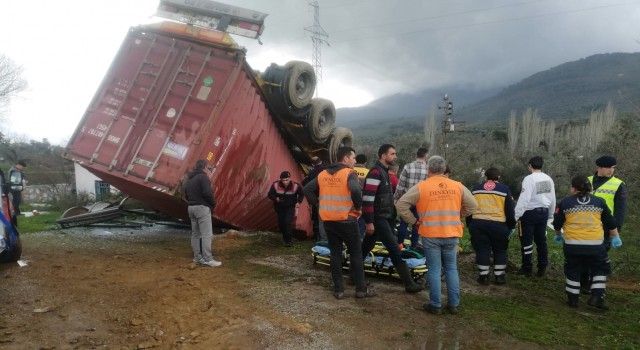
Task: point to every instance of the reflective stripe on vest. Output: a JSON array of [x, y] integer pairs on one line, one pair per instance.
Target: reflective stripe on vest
[[281, 190], [583, 224], [335, 196], [607, 190], [490, 203], [439, 208]]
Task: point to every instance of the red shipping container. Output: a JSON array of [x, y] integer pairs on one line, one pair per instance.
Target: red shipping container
[[175, 94]]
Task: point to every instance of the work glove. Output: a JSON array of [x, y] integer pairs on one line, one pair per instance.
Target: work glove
[[550, 223], [616, 242], [511, 233], [558, 239]]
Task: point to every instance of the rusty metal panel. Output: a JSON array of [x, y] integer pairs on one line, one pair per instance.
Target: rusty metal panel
[[166, 102]]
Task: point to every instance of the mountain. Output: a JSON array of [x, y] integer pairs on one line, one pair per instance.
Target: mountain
[[411, 105], [569, 90], [565, 91]]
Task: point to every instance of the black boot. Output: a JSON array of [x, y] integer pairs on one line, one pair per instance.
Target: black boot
[[409, 285], [597, 302], [500, 280], [572, 300], [483, 280]]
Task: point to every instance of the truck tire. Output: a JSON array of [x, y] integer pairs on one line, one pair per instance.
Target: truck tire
[[321, 119], [16, 251], [300, 83], [340, 137]]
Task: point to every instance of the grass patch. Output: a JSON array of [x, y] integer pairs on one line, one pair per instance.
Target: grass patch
[[549, 322], [38, 223]]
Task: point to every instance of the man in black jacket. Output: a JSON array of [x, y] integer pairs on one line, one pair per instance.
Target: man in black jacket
[[201, 204], [286, 196], [318, 227]]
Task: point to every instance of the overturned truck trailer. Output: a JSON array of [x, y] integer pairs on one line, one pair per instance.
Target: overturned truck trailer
[[176, 93]]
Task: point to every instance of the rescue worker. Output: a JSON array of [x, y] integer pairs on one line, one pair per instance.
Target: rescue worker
[[17, 182], [378, 211], [361, 169], [201, 204], [318, 227], [286, 196], [410, 176], [490, 226], [440, 203], [534, 209], [340, 203], [579, 221], [614, 192]]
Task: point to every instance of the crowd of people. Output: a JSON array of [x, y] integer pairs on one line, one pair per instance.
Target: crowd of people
[[355, 206], [358, 206]]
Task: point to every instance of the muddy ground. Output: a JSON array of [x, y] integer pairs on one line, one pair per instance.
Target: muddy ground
[[137, 289]]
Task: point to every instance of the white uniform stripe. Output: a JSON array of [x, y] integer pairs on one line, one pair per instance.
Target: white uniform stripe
[[572, 283], [501, 267], [573, 290], [368, 198], [599, 278], [598, 286], [371, 181]]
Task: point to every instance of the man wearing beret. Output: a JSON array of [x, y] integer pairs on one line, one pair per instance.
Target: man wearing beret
[[614, 192], [286, 196]]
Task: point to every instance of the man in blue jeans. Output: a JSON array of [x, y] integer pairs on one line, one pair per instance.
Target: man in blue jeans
[[410, 176], [440, 203]]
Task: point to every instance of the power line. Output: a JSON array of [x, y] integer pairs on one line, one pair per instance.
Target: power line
[[377, 36]]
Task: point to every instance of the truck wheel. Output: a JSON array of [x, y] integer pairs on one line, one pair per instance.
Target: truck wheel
[[321, 119], [16, 251], [340, 137], [300, 83]]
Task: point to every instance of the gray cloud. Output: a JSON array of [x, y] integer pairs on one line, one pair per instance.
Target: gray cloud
[[386, 47]]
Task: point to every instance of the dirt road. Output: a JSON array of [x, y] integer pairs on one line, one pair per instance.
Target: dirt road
[[124, 289]]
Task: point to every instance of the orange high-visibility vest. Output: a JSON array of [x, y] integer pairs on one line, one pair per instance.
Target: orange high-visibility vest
[[439, 208], [335, 196]]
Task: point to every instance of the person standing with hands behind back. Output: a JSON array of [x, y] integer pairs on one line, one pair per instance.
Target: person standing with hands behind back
[[286, 196], [201, 203], [578, 221]]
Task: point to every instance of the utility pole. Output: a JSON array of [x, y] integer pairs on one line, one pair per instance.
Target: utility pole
[[448, 125], [318, 37]]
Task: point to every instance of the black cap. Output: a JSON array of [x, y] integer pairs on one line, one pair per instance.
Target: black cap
[[285, 175], [606, 161], [22, 162]]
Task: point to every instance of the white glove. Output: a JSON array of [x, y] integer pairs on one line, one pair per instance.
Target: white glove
[[550, 223]]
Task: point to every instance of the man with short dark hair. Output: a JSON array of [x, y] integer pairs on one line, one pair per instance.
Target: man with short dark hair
[[490, 226], [17, 182], [286, 196], [339, 202], [410, 176], [318, 227], [201, 201], [378, 211], [536, 205]]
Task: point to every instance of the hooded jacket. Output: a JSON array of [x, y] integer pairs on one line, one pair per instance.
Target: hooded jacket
[[198, 190]]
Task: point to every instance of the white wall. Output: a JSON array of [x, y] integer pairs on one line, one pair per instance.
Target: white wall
[[85, 181]]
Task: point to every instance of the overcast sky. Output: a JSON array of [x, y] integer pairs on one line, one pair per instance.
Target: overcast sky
[[376, 47]]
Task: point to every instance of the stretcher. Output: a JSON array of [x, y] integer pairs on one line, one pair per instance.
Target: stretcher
[[377, 262]]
